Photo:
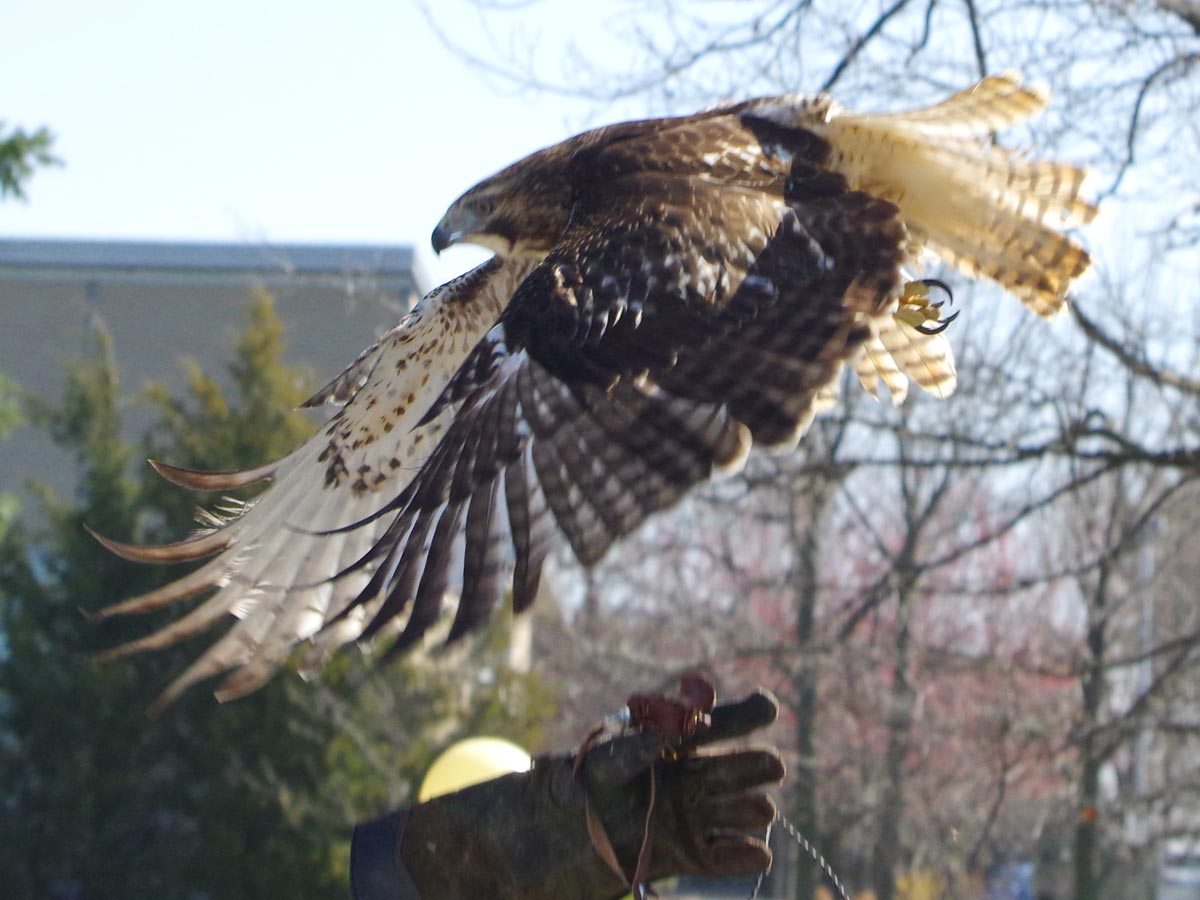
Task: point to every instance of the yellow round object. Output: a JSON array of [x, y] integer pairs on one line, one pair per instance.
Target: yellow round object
[[469, 762]]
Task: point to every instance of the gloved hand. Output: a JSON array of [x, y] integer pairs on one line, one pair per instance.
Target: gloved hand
[[525, 835]]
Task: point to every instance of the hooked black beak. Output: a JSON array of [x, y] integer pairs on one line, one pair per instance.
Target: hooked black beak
[[441, 239]]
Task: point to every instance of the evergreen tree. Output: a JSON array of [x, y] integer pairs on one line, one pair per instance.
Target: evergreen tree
[[249, 799]]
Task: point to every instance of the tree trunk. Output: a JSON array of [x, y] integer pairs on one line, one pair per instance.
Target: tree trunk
[[902, 696], [887, 848], [1086, 830], [1087, 825], [806, 515]]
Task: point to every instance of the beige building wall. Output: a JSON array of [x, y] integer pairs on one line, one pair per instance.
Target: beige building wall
[[164, 303]]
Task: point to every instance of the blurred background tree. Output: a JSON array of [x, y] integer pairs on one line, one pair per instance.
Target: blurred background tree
[[21, 153], [250, 799]]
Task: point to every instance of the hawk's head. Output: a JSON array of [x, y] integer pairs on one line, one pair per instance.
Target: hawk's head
[[520, 210]]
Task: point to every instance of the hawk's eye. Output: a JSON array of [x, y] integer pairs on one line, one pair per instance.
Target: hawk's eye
[[485, 207]]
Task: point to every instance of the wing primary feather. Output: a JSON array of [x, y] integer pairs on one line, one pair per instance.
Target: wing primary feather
[[548, 404], [531, 527], [184, 588], [363, 560], [435, 577], [389, 546], [200, 480], [397, 502], [564, 499], [483, 563], [462, 470], [400, 584], [188, 550], [199, 619]]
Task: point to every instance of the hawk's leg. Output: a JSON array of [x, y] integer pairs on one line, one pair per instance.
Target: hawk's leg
[[919, 311]]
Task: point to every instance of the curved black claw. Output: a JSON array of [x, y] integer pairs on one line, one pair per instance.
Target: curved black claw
[[941, 285], [938, 327]]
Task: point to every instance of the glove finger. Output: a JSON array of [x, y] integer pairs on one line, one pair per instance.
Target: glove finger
[[735, 854], [731, 773], [619, 760], [740, 811], [732, 720]]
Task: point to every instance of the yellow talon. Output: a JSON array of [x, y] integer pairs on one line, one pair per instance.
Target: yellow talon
[[916, 309]]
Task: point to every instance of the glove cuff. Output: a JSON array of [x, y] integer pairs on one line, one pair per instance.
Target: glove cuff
[[377, 871]]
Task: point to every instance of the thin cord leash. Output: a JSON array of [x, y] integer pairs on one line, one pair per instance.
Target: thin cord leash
[[808, 848], [763, 874]]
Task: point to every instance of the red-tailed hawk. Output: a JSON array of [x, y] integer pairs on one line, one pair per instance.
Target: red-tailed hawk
[[663, 295]]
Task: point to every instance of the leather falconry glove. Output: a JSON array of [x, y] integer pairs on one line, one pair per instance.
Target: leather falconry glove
[[527, 835]]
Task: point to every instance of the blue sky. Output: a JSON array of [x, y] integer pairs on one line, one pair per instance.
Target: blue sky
[[267, 121]]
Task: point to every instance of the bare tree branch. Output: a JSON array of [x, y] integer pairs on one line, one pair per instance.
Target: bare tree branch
[[1131, 359], [977, 38]]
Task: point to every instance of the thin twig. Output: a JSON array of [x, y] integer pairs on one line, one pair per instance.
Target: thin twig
[[862, 41]]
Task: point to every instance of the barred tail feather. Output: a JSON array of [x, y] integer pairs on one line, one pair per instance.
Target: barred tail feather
[[898, 352], [995, 102], [984, 209]]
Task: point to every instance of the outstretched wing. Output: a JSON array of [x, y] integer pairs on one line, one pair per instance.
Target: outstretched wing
[[677, 321], [270, 568]]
